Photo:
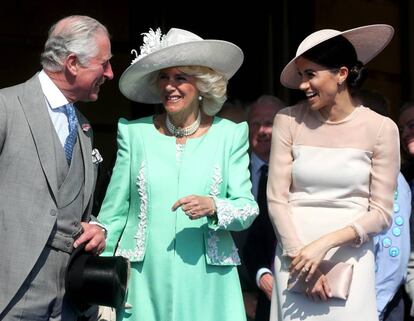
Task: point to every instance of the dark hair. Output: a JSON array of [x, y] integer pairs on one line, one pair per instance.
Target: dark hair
[[373, 100], [336, 53], [407, 105]]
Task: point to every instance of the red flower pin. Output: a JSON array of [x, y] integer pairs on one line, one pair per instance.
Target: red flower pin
[[86, 127]]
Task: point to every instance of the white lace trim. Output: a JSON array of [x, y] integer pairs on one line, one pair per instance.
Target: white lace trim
[[217, 180], [137, 254], [220, 258], [227, 213], [179, 150]]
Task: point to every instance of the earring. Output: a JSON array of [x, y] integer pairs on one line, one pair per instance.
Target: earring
[[200, 98], [340, 83]]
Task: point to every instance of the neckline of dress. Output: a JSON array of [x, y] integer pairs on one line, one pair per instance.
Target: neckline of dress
[[346, 119]]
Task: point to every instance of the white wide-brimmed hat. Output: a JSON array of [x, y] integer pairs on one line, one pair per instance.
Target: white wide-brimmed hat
[[368, 42], [176, 48]]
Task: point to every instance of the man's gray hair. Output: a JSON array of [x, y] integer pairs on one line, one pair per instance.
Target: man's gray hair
[[73, 34]]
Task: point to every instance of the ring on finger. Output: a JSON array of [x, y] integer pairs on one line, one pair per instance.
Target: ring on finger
[[188, 213], [305, 269]]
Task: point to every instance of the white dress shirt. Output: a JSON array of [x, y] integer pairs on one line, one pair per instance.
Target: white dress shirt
[[55, 100]]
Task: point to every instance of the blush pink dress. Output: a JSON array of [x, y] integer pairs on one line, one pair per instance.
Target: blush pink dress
[[324, 176]]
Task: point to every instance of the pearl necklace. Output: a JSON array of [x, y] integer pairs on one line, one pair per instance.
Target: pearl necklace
[[181, 132]]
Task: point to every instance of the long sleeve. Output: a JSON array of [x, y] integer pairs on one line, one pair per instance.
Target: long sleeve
[[278, 185], [384, 172], [114, 211], [237, 210]]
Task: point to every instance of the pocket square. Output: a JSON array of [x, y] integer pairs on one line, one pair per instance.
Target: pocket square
[[339, 275], [96, 156]]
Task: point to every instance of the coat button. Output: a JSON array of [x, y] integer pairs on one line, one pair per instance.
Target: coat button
[[394, 251], [53, 212], [396, 231], [386, 242], [399, 220]]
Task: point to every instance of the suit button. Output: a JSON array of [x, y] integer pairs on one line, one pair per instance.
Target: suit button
[[68, 244], [53, 212]]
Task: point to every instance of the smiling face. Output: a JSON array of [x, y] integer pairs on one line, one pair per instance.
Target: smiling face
[[406, 125], [178, 91], [260, 120], [89, 78], [319, 84]]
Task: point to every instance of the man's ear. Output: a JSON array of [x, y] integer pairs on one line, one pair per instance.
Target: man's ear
[[72, 64]]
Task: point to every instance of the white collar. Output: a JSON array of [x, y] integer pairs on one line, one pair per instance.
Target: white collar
[[53, 95]]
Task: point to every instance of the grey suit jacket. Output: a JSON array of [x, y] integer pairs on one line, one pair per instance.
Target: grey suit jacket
[[28, 182]]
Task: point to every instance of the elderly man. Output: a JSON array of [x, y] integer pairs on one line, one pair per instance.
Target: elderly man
[[47, 174]]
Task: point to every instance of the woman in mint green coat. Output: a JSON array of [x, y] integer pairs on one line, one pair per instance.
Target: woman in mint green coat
[[180, 184]]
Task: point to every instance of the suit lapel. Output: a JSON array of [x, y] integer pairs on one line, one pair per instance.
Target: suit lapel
[[86, 148], [35, 109]]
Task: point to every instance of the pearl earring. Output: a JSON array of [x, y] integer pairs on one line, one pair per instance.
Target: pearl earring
[[200, 98]]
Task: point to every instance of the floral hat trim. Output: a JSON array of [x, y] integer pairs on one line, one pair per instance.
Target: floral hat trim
[[153, 41]]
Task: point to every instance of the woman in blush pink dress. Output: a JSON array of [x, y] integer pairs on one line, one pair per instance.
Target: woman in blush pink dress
[[332, 176]]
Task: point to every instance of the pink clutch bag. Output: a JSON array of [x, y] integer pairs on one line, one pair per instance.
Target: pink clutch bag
[[339, 275]]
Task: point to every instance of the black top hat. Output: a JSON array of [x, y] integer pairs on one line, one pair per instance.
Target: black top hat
[[96, 280]]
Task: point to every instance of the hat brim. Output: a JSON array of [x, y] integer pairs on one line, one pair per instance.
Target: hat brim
[[221, 56], [368, 42], [95, 280]]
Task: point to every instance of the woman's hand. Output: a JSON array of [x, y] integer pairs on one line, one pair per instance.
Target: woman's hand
[[319, 289], [307, 260], [195, 206]]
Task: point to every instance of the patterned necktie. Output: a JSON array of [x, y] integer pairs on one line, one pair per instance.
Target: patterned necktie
[[71, 139], [261, 192]]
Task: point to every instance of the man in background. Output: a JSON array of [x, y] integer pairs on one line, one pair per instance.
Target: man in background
[[259, 248]]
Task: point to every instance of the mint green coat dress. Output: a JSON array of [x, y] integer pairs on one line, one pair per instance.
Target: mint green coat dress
[[181, 269]]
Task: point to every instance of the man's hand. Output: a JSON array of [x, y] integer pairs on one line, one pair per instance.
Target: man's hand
[[94, 238], [266, 284]]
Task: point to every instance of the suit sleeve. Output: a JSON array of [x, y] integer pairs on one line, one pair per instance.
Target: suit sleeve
[[259, 248], [114, 211]]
